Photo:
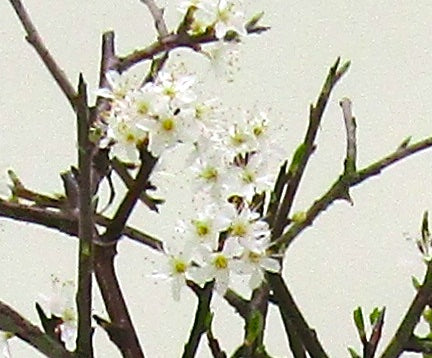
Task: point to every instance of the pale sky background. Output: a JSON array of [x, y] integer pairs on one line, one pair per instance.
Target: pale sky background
[[351, 256]]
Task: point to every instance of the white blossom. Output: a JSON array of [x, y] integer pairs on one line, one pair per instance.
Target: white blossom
[[175, 269], [61, 304], [255, 260], [217, 265]]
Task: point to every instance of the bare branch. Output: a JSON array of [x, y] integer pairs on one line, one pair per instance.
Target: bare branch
[[169, 43], [406, 328], [35, 40], [157, 14], [11, 321], [66, 223], [85, 226], [339, 189], [350, 126], [305, 150], [291, 313]]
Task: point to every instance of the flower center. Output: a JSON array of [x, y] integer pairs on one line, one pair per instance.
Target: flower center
[[180, 266], [168, 124], [201, 227], [239, 229], [220, 262], [209, 174]]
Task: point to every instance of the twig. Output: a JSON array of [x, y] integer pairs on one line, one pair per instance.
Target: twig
[[169, 43], [339, 189], [277, 192], [350, 127], [240, 304], [85, 226], [35, 40], [66, 223], [125, 208], [375, 337], [122, 172], [214, 346], [289, 311], [157, 14], [299, 163], [201, 321], [412, 316], [419, 345], [124, 336], [11, 321], [258, 303]]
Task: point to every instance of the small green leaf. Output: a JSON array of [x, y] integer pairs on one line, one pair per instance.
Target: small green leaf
[[416, 283], [427, 315], [353, 353], [344, 67], [404, 143], [254, 326], [374, 315], [255, 19], [359, 322], [297, 158]]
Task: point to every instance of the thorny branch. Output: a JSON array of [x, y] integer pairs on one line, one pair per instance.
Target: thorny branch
[[297, 168], [85, 227], [340, 188]]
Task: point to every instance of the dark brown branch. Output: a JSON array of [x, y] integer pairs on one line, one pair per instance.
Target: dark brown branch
[[11, 321], [199, 327], [290, 311], [171, 42], [66, 223], [35, 40], [85, 227], [122, 172], [419, 345], [124, 210], [372, 345], [240, 304], [124, 336]]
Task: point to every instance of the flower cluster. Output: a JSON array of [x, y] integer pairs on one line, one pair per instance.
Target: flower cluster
[[230, 165], [233, 161], [163, 108], [221, 15]]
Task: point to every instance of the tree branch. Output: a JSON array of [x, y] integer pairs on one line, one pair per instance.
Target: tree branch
[[340, 188], [157, 14], [169, 43], [291, 313], [123, 212], [85, 227], [202, 319], [11, 321], [304, 152], [350, 127], [35, 40], [404, 333]]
